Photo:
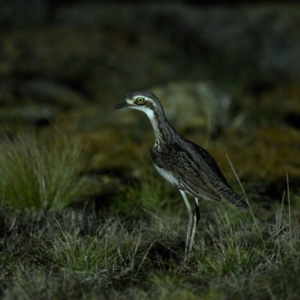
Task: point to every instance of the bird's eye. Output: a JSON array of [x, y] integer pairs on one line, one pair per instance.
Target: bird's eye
[[140, 101]]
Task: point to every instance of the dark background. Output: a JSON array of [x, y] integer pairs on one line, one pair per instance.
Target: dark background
[[62, 55]]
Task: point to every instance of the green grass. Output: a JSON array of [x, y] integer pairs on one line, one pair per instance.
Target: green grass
[[146, 198], [134, 248], [80, 253], [40, 173]]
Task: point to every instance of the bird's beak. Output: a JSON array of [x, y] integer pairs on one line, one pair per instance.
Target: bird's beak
[[121, 105]]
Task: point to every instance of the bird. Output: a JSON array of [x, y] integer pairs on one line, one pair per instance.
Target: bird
[[184, 164]]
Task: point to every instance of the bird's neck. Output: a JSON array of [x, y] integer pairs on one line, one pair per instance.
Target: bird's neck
[[164, 132]]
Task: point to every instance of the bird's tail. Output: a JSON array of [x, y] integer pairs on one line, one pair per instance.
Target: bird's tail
[[234, 198]]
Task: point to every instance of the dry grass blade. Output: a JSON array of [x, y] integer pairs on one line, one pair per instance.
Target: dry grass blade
[[238, 179]]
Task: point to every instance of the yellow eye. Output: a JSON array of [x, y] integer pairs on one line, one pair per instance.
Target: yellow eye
[[140, 101]]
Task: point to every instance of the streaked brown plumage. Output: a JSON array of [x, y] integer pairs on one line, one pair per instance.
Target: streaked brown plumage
[[184, 164]]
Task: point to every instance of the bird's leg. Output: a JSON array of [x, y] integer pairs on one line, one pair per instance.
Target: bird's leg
[[191, 220], [196, 218]]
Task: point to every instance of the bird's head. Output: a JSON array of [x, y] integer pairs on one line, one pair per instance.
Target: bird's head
[[144, 101]]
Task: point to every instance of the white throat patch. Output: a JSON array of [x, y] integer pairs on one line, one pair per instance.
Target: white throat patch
[[149, 112]]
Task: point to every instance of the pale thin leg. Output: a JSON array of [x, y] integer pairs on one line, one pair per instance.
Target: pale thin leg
[[196, 218], [191, 220]]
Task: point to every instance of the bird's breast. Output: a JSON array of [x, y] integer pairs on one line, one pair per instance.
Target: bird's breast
[[169, 176]]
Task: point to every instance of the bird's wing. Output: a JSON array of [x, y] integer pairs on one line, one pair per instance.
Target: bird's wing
[[186, 172], [212, 175], [208, 166]]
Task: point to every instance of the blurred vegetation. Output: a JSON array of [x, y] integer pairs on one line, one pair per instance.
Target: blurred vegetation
[[40, 173]]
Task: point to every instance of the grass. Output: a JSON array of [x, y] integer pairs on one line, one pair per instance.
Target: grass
[[75, 259], [36, 173], [82, 253], [143, 199], [134, 248]]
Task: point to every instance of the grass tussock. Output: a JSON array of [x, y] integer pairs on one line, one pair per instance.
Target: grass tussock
[[79, 253], [147, 196], [38, 173]]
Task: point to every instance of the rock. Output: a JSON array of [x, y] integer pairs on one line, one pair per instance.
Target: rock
[[44, 91], [36, 102], [37, 115], [39, 91], [197, 104]]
